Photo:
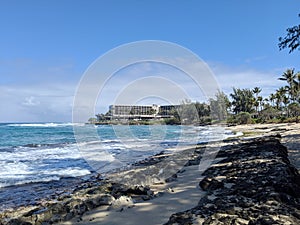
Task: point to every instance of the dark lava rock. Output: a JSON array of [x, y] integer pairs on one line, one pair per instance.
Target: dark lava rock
[[172, 178], [118, 190], [258, 185], [87, 196], [209, 183]]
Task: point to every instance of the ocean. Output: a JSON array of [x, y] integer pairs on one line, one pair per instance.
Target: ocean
[[39, 152]]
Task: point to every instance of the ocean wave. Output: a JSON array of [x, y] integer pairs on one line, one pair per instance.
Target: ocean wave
[[7, 149], [43, 124], [69, 172], [14, 182], [36, 154], [34, 145]]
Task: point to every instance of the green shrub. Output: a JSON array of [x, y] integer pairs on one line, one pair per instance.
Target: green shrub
[[244, 118], [172, 121], [231, 119]]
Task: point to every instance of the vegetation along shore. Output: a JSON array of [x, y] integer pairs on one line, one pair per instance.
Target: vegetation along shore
[[242, 106]]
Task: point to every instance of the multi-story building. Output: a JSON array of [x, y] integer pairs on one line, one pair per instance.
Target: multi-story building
[[140, 111], [167, 110]]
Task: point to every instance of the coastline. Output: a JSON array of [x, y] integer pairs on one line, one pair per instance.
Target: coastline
[[120, 204], [290, 136], [254, 183]]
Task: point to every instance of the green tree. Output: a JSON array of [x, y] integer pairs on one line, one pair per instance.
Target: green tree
[[202, 109], [100, 117], [269, 113], [260, 101], [242, 100], [272, 98], [256, 91], [188, 113], [297, 86], [286, 101], [257, 101], [219, 106], [280, 97], [92, 120], [291, 39], [290, 77], [294, 110]]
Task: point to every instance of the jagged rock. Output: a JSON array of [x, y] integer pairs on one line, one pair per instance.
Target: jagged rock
[[258, 186], [18, 222], [209, 183], [84, 198], [56, 212], [172, 178]]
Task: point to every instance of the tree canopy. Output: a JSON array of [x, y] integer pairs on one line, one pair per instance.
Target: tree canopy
[[291, 39]]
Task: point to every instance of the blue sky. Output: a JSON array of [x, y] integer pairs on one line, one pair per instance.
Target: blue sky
[[46, 46]]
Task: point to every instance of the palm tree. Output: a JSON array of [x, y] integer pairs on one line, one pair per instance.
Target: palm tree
[[260, 102], [242, 100], [272, 98], [278, 100], [256, 91], [297, 81], [286, 101], [280, 94], [281, 91], [265, 103], [289, 76]]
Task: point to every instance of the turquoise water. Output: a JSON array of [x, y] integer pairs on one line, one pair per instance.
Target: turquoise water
[[48, 151]]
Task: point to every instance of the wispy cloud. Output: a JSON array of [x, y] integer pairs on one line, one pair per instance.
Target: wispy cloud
[[246, 77], [31, 101], [34, 91], [255, 59], [42, 103]]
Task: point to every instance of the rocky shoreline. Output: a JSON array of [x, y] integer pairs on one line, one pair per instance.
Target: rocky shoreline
[[253, 182], [57, 201]]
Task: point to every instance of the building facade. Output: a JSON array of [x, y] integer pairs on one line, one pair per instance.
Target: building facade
[[140, 111]]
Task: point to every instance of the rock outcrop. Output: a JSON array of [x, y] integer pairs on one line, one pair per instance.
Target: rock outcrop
[[254, 183], [88, 196]]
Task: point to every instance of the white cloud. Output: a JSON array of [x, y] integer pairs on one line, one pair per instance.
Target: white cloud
[[42, 103], [255, 59], [31, 101]]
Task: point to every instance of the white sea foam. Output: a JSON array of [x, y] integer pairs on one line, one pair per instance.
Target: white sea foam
[[44, 124], [27, 164], [68, 172], [44, 162]]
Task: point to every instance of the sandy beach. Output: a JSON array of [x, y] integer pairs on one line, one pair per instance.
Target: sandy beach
[[178, 195], [184, 192], [146, 197]]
